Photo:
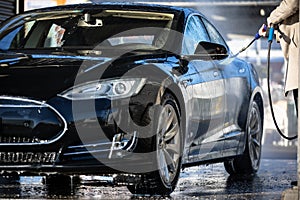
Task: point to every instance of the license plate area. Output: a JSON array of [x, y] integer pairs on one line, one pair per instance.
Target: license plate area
[[28, 157]]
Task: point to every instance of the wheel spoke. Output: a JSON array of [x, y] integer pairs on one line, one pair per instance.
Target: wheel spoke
[[255, 142], [162, 121], [253, 149], [163, 165], [172, 148], [170, 162], [253, 133], [253, 122], [170, 117], [257, 153], [171, 133]]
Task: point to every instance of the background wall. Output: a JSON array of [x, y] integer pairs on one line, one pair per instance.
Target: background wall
[[7, 9]]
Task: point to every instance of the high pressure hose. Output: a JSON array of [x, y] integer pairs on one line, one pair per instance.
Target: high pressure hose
[[270, 40]]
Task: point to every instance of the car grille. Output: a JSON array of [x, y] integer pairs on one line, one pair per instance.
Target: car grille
[[27, 122], [28, 140], [28, 157]]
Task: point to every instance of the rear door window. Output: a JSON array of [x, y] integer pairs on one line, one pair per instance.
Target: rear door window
[[194, 33], [214, 35]]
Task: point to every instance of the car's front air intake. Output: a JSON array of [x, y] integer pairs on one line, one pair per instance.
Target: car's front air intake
[[26, 121]]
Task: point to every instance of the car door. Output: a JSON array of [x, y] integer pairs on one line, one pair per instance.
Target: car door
[[206, 120], [235, 89]]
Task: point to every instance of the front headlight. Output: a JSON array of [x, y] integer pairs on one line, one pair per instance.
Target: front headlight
[[111, 89]]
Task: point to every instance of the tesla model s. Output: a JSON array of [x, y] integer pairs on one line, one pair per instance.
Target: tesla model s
[[133, 91]]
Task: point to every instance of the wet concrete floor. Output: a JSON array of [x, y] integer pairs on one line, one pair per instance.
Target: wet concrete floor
[[203, 182]]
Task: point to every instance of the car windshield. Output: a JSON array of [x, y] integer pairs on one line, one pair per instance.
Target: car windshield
[[87, 30]]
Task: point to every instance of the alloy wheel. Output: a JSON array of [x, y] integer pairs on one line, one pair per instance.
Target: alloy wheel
[[254, 136], [168, 144]]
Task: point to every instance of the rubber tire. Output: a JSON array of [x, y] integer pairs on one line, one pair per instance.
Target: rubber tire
[[243, 165], [152, 183]]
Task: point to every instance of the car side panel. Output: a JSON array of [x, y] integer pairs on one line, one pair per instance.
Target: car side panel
[[208, 105], [238, 92]]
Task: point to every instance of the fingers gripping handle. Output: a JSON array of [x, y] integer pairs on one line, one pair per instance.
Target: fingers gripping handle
[[266, 32], [263, 31]]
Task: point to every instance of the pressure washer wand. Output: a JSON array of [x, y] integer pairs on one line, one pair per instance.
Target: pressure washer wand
[[244, 48], [256, 37]]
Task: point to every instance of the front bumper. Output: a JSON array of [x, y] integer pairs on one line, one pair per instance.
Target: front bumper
[[47, 137]]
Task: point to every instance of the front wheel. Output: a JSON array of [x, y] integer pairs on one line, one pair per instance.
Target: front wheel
[[249, 162], [167, 145]]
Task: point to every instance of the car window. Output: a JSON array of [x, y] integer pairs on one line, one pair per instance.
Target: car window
[[194, 33], [214, 35], [15, 38], [107, 28]]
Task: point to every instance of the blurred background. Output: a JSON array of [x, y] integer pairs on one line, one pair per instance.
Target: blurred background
[[238, 21]]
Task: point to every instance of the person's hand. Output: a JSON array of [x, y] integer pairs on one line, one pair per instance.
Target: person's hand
[[263, 31], [269, 22]]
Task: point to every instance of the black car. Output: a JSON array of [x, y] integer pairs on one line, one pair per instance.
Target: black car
[[134, 91]]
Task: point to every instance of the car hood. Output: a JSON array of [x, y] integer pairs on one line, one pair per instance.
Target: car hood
[[42, 76]]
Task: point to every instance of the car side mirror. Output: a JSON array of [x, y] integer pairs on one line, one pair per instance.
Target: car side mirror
[[215, 51]]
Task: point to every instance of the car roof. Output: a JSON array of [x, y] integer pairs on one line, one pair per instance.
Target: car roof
[[121, 6]]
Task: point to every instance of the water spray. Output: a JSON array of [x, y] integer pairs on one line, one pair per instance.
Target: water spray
[[257, 36]]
